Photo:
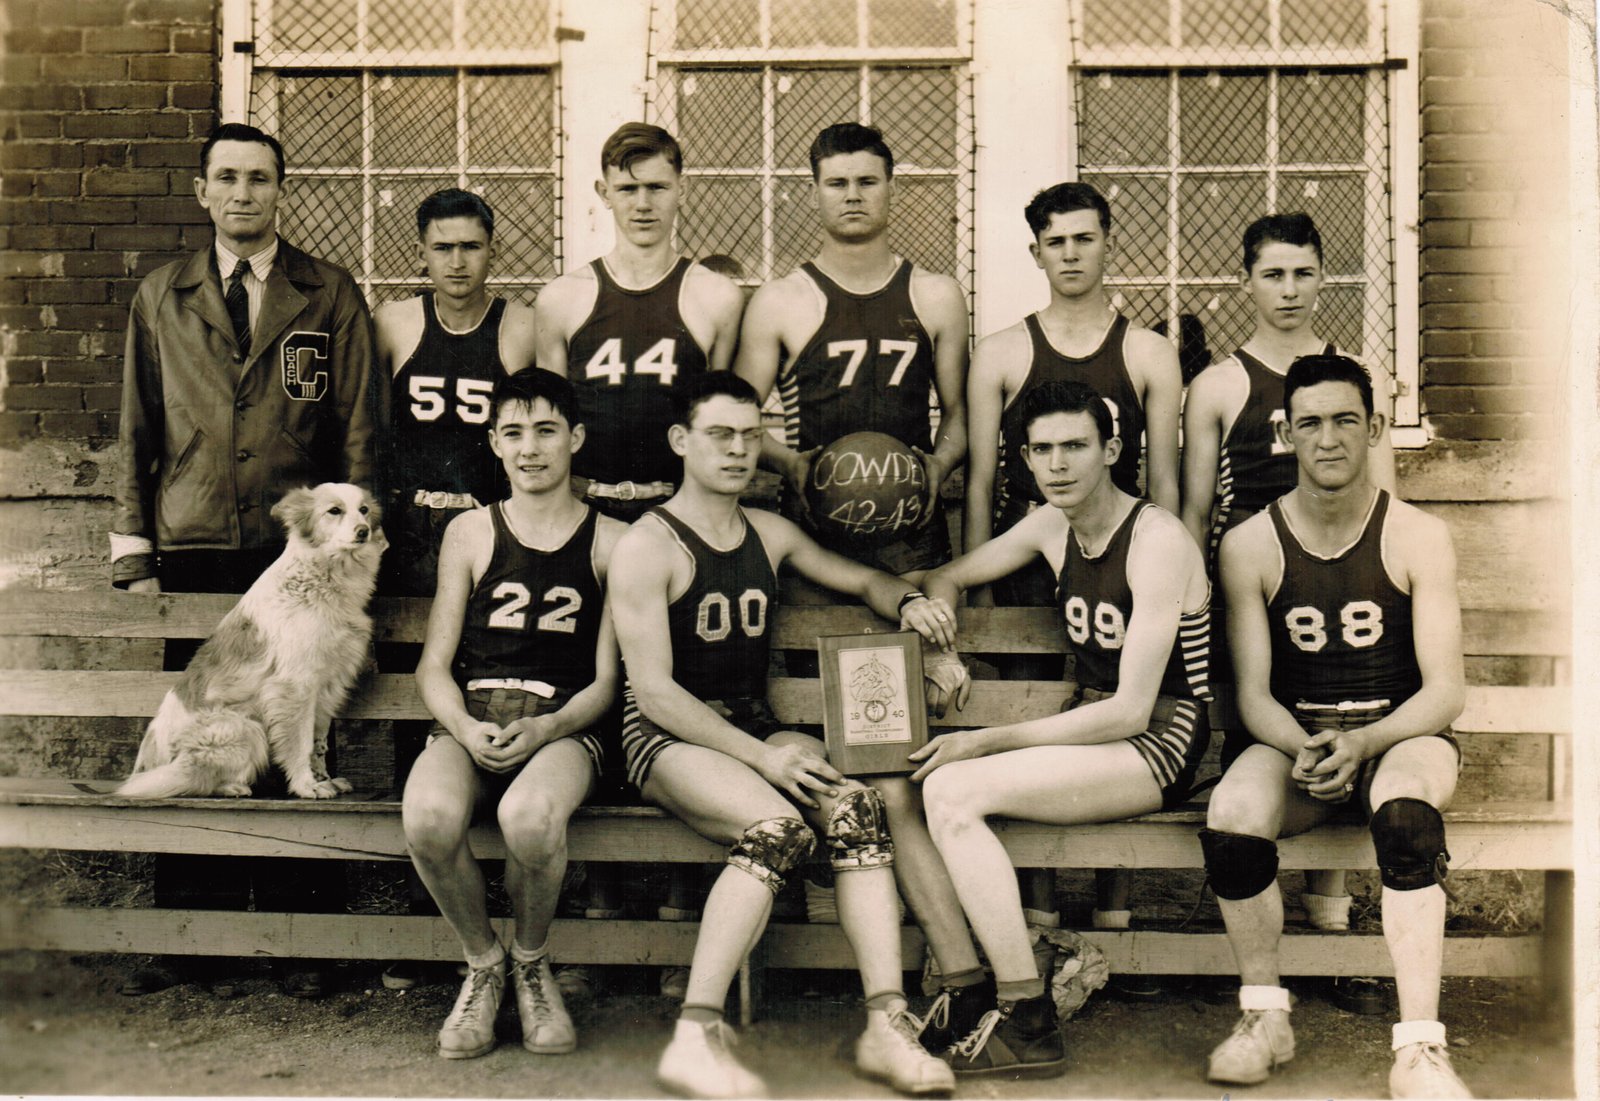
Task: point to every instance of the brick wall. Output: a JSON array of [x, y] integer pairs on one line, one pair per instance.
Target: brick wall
[[1494, 185], [104, 102]]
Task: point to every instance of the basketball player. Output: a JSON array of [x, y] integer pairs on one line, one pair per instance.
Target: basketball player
[[519, 666], [693, 590], [1136, 601], [1234, 465], [856, 340], [444, 350], [1346, 637], [1079, 336], [633, 325]]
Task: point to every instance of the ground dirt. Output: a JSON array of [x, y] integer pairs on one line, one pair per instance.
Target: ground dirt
[[64, 1029]]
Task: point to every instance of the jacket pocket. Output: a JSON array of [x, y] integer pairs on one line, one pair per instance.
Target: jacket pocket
[[177, 467]]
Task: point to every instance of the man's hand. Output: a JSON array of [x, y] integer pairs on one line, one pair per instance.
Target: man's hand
[[1305, 763], [797, 770], [145, 585], [481, 741], [796, 473], [1333, 779], [959, 745], [933, 619], [933, 470], [948, 681], [518, 741]]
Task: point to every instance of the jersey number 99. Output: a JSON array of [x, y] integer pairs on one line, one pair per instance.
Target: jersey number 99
[[1109, 628]]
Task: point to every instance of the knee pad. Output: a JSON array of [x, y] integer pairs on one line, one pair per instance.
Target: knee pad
[[1408, 835], [1238, 865], [858, 832], [771, 848]]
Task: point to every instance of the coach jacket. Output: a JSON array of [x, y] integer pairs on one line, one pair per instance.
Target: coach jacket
[[210, 439]]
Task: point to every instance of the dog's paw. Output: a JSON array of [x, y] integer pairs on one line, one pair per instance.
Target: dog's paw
[[321, 789], [342, 785], [237, 791]]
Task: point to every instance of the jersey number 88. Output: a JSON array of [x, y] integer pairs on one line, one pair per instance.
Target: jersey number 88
[[1360, 625]]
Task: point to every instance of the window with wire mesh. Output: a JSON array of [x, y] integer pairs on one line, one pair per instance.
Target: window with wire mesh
[[746, 85], [1195, 117], [379, 103]]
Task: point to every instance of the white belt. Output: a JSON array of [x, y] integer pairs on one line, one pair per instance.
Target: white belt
[[438, 498], [630, 491], [1346, 705], [532, 687]]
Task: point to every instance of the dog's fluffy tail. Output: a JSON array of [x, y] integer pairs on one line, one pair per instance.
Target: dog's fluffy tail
[[220, 749]]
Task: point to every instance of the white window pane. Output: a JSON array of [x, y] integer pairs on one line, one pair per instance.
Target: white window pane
[[911, 23], [311, 25], [414, 121], [719, 117], [799, 24], [510, 119], [803, 102], [507, 24], [394, 222], [1139, 222], [1124, 118], [1125, 22], [718, 24], [916, 110], [926, 221], [1222, 118], [524, 224], [1335, 204], [1320, 117], [1212, 213], [722, 217], [323, 216], [1324, 22], [1225, 23], [319, 121]]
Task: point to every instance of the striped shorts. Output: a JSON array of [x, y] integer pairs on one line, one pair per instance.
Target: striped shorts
[[1177, 738], [643, 741]]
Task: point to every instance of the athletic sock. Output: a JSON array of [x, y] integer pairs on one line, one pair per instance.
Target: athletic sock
[[529, 955], [490, 958], [972, 976], [885, 1000], [1018, 990], [701, 1014]]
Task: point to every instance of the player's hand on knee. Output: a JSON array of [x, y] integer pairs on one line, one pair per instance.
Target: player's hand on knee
[[934, 473], [1305, 765], [1334, 777], [518, 741], [933, 619], [948, 682], [797, 771], [478, 738], [960, 745]]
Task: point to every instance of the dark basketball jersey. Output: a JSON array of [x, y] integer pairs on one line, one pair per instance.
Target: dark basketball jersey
[[1341, 629], [440, 408], [1254, 467], [718, 626], [868, 368], [624, 360], [534, 615], [1098, 605], [1106, 371]]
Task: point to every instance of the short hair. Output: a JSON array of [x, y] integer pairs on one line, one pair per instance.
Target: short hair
[[687, 397], [1064, 198], [1064, 396], [1320, 368], [1293, 228], [849, 137], [453, 202], [633, 142], [528, 386], [723, 264], [238, 131]]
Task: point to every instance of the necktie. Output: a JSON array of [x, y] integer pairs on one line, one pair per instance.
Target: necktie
[[238, 302]]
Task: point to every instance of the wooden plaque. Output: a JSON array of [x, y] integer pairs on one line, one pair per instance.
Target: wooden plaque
[[874, 712]]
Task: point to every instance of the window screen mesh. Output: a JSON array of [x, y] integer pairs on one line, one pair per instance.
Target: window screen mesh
[[746, 84], [378, 103], [1195, 117]]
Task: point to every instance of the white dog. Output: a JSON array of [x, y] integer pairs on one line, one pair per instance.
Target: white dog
[[266, 685]]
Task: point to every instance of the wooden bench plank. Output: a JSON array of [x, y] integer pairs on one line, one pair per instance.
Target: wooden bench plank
[[384, 936], [102, 614], [70, 693], [1503, 836]]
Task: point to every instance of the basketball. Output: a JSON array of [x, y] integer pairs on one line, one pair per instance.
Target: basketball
[[866, 486]]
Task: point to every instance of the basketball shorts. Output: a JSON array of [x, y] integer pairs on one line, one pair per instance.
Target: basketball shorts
[[507, 705], [1172, 745], [923, 548], [643, 741], [1319, 717]]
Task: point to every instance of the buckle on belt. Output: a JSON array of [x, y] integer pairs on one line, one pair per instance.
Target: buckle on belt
[[439, 499], [629, 490], [1342, 706], [538, 688]]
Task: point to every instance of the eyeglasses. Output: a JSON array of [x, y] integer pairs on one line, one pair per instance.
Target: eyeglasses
[[723, 435]]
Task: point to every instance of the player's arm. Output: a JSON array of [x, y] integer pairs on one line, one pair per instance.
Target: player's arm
[[640, 579], [985, 404], [1202, 451], [883, 592], [999, 557], [1249, 565], [555, 319], [465, 540], [722, 302], [1155, 364], [761, 350], [942, 308], [1428, 559], [519, 338]]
